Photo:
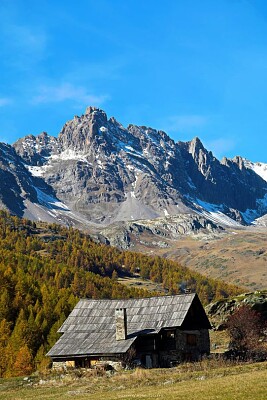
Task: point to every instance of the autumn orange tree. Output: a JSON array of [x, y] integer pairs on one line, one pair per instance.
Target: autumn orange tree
[[23, 364]]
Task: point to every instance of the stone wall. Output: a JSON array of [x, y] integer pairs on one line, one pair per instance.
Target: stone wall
[[190, 346], [62, 365]]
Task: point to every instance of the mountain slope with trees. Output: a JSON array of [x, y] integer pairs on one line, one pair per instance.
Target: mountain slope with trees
[[44, 269]]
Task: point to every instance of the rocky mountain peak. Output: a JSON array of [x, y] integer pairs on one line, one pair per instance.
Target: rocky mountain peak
[[79, 133], [113, 121], [202, 158], [35, 149], [93, 111], [195, 147], [106, 173], [7, 154], [239, 161]]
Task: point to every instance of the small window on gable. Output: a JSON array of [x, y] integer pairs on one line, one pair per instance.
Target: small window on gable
[[170, 334], [168, 341], [191, 339]]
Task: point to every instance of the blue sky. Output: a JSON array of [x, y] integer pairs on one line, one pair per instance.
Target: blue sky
[[189, 67]]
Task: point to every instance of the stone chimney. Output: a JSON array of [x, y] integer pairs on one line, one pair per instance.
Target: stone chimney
[[121, 323]]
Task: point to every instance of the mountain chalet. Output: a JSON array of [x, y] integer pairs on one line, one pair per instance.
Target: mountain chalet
[[155, 332]]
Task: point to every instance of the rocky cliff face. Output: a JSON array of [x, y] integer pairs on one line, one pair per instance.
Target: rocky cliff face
[[107, 172], [104, 173], [16, 183], [36, 150], [159, 231], [228, 183]]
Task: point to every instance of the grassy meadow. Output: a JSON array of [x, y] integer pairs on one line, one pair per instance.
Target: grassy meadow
[[205, 380]]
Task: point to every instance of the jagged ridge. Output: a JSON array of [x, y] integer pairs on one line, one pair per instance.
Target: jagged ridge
[[106, 173]]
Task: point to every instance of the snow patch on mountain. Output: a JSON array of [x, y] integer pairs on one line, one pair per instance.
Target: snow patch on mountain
[[252, 216], [50, 209], [50, 201], [103, 129], [259, 168], [214, 213], [37, 171], [66, 155], [70, 154]]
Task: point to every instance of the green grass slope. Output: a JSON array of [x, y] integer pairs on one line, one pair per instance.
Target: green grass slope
[[200, 381]]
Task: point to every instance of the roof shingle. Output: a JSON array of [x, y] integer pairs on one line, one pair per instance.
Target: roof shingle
[[90, 328]]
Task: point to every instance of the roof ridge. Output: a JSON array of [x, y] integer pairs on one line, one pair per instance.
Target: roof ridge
[[140, 298]]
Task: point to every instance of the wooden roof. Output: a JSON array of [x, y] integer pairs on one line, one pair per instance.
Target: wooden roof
[[90, 328]]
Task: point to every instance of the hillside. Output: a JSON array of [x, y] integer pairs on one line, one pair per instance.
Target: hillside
[[236, 255], [44, 269]]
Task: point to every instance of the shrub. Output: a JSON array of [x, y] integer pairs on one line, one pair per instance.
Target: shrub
[[245, 328]]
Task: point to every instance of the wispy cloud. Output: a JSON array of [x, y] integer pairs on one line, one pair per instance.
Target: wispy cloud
[[4, 101], [221, 146], [65, 92], [22, 46], [111, 69], [27, 38], [185, 122]]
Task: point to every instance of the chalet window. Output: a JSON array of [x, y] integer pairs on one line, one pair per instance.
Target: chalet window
[[168, 341], [82, 363], [191, 339], [170, 334], [146, 343]]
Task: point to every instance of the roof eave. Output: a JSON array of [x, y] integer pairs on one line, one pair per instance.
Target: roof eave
[[91, 355]]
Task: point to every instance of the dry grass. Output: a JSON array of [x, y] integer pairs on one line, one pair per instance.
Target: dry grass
[[210, 379], [139, 283], [219, 341]]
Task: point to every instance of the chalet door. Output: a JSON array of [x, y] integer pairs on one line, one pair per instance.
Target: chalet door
[[187, 356], [148, 361], [155, 360]]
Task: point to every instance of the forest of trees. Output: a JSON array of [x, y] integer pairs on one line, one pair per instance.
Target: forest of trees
[[45, 269]]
